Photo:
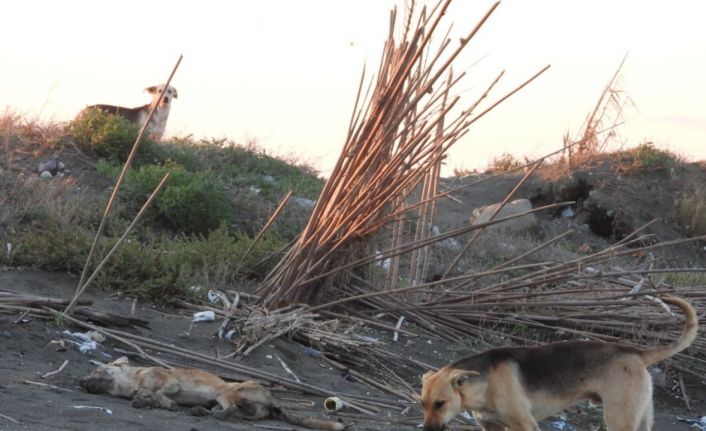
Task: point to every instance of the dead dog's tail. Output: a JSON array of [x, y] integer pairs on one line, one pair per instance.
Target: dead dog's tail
[[308, 422], [650, 356]]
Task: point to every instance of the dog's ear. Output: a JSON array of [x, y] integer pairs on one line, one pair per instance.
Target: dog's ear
[[459, 377], [174, 93], [123, 360], [152, 90], [427, 375]]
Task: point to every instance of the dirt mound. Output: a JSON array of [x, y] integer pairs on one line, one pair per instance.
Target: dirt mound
[[612, 199]]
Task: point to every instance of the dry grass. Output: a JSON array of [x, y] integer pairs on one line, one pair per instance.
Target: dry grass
[[27, 198], [691, 211], [505, 163], [20, 135]]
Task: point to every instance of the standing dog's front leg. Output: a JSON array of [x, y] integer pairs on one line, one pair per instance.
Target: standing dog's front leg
[[489, 426], [524, 425]]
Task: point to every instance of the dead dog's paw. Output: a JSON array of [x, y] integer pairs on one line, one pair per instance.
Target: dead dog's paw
[[229, 414], [199, 411], [143, 399]]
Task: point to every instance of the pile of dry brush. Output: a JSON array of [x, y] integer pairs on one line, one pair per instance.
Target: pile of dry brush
[[400, 131]]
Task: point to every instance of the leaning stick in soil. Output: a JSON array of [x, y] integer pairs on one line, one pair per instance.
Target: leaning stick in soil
[[107, 257], [384, 157], [264, 229], [116, 188]]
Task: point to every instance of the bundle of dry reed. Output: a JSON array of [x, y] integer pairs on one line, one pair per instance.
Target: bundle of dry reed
[[592, 297], [398, 133]]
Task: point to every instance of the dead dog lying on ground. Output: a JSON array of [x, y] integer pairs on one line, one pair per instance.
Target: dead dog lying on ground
[[514, 387], [163, 388], [158, 122]]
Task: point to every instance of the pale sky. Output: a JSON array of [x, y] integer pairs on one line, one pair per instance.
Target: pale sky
[[285, 73]]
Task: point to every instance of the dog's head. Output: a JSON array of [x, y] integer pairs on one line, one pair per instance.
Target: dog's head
[[112, 378], [446, 393], [169, 94]]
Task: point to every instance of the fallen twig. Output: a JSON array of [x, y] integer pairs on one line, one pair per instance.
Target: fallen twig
[[46, 385], [57, 371], [15, 421]]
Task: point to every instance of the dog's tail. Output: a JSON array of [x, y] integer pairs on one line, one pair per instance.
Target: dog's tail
[[650, 356], [307, 422]]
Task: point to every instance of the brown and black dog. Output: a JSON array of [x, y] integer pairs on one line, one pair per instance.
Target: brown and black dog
[[514, 387], [168, 388]]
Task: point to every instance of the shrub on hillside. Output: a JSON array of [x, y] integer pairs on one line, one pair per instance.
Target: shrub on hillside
[[190, 202], [248, 166], [158, 268], [648, 157], [107, 136]]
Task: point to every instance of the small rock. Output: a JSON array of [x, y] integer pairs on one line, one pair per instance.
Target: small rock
[[450, 244], [53, 166], [526, 222], [45, 175], [307, 203], [5, 333], [568, 212], [269, 179], [311, 352]]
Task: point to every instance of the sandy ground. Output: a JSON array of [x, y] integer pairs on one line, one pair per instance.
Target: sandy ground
[[26, 352]]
